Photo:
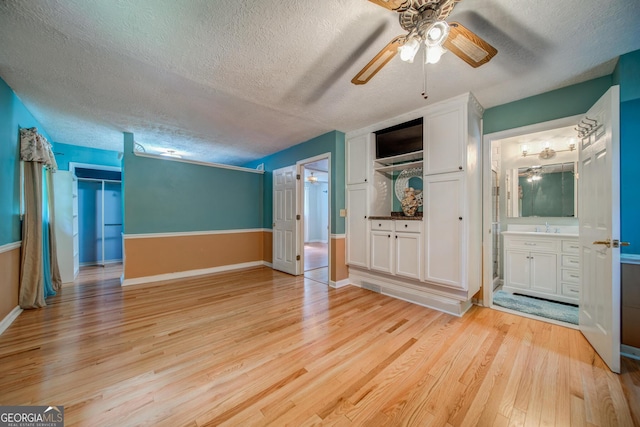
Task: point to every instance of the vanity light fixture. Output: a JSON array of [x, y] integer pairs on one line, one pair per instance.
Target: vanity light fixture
[[548, 152]]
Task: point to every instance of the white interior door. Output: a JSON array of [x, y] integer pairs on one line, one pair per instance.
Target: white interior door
[[285, 256], [599, 219]]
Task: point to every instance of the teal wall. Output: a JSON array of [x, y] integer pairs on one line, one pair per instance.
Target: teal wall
[[13, 116], [331, 142], [162, 196], [627, 74], [557, 104], [66, 153]]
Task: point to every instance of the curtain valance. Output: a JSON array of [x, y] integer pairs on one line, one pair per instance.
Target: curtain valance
[[34, 147]]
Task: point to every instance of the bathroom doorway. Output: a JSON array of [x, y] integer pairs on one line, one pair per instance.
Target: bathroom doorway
[[530, 214]]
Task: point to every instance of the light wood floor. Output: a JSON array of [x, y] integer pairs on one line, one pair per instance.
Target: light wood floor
[[258, 347], [316, 255]]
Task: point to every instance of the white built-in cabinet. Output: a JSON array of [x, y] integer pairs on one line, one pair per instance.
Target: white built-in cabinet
[[66, 224], [444, 140], [357, 225], [358, 161], [438, 262], [445, 230], [357, 155], [545, 265]]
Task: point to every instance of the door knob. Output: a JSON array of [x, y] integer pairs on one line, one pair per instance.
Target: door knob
[[607, 242]]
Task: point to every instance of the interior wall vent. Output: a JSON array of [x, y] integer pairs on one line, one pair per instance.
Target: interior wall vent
[[371, 287]]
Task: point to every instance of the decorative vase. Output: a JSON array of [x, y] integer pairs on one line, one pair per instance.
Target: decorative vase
[[409, 202]]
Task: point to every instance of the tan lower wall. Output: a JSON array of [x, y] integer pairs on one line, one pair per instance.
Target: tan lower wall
[[9, 281], [630, 299], [267, 247], [339, 269], [151, 256]]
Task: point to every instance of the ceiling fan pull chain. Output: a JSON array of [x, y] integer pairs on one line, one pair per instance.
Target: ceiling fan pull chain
[[424, 71]]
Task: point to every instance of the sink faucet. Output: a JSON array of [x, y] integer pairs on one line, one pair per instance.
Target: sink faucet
[[546, 224]]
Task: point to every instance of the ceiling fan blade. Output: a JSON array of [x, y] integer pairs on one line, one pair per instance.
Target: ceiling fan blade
[[392, 4], [380, 60], [446, 8], [468, 46]]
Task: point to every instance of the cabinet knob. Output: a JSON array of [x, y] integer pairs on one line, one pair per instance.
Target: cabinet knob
[[396, 237], [365, 217], [365, 180], [406, 225], [460, 167], [460, 218], [389, 235]]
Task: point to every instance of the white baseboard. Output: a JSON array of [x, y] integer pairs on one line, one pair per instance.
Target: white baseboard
[[339, 283], [631, 352], [190, 273], [9, 318], [398, 289]]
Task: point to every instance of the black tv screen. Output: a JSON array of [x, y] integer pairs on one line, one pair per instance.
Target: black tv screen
[[400, 139]]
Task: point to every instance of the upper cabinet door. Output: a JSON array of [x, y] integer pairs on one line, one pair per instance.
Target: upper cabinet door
[[358, 159], [444, 140]]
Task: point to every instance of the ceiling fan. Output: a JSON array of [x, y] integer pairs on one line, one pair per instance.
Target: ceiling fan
[[425, 22]]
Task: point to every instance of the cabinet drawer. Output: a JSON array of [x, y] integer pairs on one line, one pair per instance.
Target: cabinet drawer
[[571, 276], [409, 226], [532, 244], [382, 224], [570, 246], [571, 290], [571, 261]]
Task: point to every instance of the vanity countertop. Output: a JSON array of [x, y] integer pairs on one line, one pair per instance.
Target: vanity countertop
[[539, 234]]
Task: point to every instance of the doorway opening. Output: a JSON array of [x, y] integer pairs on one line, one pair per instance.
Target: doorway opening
[[315, 219], [531, 265], [99, 214]]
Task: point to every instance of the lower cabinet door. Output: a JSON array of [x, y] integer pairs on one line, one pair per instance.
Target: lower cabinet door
[[408, 255], [544, 272], [517, 269], [381, 250]]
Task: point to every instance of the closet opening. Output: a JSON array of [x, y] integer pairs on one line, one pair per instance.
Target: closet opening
[[99, 215]]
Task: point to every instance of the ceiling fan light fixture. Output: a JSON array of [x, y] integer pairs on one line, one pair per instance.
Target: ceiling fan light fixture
[[171, 153], [312, 179], [436, 33], [409, 49], [434, 53]]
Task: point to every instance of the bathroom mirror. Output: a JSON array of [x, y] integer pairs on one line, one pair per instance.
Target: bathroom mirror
[[542, 190]]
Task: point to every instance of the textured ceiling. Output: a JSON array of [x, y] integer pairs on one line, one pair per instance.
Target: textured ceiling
[[234, 80]]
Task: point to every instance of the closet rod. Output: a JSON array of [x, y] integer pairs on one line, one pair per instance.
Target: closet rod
[[99, 180]]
